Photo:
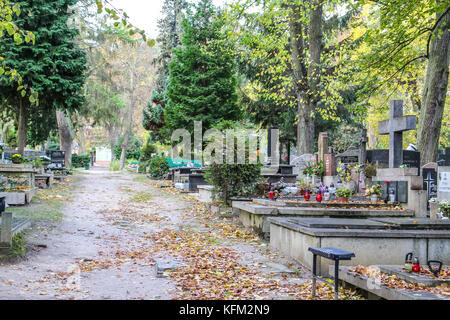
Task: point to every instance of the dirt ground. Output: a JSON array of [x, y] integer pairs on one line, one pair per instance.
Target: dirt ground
[[117, 226]]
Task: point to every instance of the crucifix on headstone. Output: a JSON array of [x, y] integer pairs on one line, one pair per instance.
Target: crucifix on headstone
[[394, 127]]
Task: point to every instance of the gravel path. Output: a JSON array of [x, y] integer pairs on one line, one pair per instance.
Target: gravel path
[[101, 249]]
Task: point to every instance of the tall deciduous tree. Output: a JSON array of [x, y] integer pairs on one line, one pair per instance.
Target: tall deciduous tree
[[54, 67], [405, 38], [202, 83], [169, 38]]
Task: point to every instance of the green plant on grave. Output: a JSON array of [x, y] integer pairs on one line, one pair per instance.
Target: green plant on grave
[[370, 170], [344, 193], [158, 167], [231, 180], [38, 163], [18, 158]]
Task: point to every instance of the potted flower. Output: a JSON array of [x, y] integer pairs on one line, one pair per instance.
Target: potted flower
[[344, 194], [374, 192], [17, 158]]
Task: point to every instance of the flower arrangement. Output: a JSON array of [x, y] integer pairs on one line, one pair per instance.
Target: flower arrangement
[[314, 169], [444, 207], [344, 171], [344, 193], [376, 189]]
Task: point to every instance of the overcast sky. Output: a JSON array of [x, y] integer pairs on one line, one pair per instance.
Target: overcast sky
[[144, 14]]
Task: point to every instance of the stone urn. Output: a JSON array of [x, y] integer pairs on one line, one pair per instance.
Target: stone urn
[[374, 198]]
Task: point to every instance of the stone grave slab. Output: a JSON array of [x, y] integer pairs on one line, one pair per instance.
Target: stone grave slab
[[166, 264], [373, 287], [337, 223], [415, 223], [413, 277]]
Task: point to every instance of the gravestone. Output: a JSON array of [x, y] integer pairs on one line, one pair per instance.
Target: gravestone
[[301, 161], [443, 177], [330, 165], [395, 127], [322, 146], [443, 158], [429, 176], [350, 156]]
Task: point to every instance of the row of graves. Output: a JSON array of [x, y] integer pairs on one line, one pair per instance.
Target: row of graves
[[20, 178], [377, 212]]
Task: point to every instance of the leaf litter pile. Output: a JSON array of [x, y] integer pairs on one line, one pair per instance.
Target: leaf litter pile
[[213, 271], [393, 282]]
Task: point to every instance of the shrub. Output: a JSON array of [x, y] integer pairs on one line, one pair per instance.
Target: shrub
[[158, 167], [80, 161], [146, 156], [231, 180]]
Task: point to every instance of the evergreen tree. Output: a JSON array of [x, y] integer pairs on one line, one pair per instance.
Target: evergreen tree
[[54, 67], [169, 38], [202, 82]]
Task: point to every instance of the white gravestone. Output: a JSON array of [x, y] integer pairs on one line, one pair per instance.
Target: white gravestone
[[443, 183]]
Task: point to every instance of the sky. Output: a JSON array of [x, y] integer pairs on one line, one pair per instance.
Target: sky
[[144, 14]]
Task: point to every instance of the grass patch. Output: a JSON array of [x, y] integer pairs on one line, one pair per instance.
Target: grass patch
[[18, 248], [78, 171], [141, 197], [48, 204], [141, 178]]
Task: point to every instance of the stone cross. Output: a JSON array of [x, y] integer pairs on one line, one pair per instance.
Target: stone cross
[[394, 127]]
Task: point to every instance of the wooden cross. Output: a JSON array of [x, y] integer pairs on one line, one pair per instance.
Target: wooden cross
[[394, 127]]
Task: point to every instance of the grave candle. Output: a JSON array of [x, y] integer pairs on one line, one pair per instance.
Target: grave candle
[[416, 265], [319, 197], [307, 195]]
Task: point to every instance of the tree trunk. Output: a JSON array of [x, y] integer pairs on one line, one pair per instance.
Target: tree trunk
[[306, 78], [66, 136], [305, 129], [129, 123], [82, 147], [435, 91], [23, 127]]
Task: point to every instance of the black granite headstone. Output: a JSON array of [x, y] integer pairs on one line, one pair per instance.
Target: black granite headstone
[[430, 183]]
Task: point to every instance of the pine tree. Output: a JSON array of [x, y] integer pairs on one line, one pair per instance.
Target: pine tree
[[202, 82], [54, 67], [169, 38]]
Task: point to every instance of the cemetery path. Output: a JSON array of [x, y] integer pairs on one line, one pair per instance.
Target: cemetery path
[[121, 226]]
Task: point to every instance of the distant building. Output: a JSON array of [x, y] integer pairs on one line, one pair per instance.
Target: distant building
[[103, 156]]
